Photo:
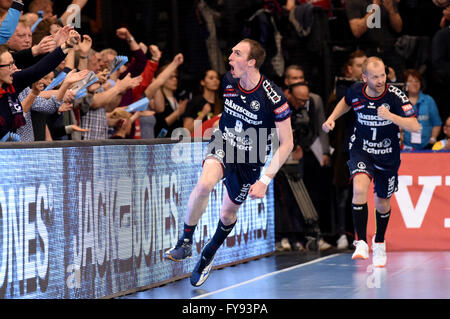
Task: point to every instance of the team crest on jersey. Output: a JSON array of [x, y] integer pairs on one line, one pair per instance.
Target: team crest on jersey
[[386, 106], [361, 165], [255, 106]]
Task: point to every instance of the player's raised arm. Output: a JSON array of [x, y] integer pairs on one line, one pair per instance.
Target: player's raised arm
[[340, 109]]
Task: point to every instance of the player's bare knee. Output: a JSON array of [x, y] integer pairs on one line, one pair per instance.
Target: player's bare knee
[[359, 194], [228, 217], [382, 205], [203, 188]]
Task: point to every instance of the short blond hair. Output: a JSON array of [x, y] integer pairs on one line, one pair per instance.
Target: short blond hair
[[109, 51], [371, 60]]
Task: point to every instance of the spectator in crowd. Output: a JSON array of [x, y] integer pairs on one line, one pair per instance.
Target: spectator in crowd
[[20, 46], [353, 66], [29, 18], [31, 100], [444, 144], [12, 82], [295, 74], [122, 122], [136, 66], [169, 110], [376, 31], [205, 106], [9, 17], [427, 114], [48, 26], [145, 124], [311, 147], [107, 56], [289, 232], [100, 101], [22, 37]]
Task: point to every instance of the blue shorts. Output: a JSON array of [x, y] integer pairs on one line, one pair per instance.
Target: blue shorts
[[385, 177], [237, 177]]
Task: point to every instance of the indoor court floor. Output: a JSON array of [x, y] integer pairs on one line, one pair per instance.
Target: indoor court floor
[[331, 275]]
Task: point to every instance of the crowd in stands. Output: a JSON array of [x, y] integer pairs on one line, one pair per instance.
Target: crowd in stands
[[55, 86]]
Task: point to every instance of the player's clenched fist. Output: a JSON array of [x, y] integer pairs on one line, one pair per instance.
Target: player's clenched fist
[[383, 112], [328, 126]]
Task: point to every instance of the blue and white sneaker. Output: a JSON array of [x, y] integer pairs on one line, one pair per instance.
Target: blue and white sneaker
[[181, 251], [202, 270]]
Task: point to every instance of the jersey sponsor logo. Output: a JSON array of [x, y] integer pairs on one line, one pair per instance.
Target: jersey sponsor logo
[[398, 93], [408, 109], [377, 148], [271, 93], [239, 112], [255, 106], [372, 120], [240, 142], [282, 112], [281, 109]]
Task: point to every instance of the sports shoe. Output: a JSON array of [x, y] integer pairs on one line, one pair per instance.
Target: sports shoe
[[362, 249], [285, 244], [182, 250], [342, 242], [323, 245], [202, 270], [379, 253]]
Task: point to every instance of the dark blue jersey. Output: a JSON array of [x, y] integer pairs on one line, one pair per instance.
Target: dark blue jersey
[[372, 134], [248, 119]]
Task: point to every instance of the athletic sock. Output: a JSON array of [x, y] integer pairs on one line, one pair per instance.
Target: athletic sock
[[219, 237], [188, 232], [360, 214], [382, 221]]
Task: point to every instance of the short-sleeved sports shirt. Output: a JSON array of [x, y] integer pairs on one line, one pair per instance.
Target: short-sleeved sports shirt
[[377, 137], [247, 124]]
